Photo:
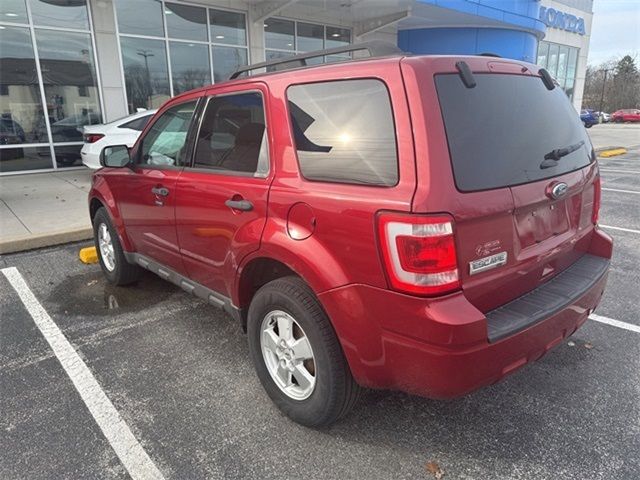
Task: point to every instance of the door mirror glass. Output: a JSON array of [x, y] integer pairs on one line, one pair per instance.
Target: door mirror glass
[[115, 156]]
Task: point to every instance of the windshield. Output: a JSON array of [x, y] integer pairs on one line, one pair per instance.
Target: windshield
[[500, 131]]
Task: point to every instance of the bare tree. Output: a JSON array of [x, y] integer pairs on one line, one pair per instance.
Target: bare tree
[[614, 84]]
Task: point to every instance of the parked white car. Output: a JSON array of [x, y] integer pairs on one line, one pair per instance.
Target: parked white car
[[124, 131]]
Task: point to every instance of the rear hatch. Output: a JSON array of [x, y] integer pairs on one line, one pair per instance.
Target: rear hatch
[[521, 177]]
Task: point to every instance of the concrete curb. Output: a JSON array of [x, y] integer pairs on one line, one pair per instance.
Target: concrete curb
[[604, 149], [31, 242]]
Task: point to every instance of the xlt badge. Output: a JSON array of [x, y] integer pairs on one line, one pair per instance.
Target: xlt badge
[[487, 263]]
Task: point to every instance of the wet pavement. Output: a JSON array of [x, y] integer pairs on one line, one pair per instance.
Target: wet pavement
[[178, 372]]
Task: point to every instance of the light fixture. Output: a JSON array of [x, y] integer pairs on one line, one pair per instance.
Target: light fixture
[[266, 25], [335, 35], [10, 14], [219, 37], [168, 12], [289, 44]]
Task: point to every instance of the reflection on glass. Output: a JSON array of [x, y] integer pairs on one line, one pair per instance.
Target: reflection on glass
[[25, 158], [140, 17], [70, 85], [68, 156], [337, 37], [13, 11], [183, 21], [69, 14], [571, 64], [562, 61], [552, 63], [279, 34], [226, 60], [189, 66], [275, 55], [21, 112], [543, 51], [310, 37], [227, 27], [145, 72], [335, 138]]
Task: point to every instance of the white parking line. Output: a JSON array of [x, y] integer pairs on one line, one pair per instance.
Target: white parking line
[[607, 170], [621, 191], [630, 230], [615, 323], [123, 442]]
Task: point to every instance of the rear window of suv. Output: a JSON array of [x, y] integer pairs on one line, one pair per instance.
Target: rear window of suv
[[344, 132], [500, 131]]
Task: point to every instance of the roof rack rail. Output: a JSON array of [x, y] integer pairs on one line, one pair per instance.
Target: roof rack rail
[[375, 49]]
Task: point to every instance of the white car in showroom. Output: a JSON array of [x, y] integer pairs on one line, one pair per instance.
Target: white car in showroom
[[124, 131]]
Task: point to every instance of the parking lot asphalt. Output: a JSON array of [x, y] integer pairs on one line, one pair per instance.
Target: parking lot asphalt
[[178, 372]]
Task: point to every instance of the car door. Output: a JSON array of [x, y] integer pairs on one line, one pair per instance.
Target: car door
[[147, 197], [221, 198]]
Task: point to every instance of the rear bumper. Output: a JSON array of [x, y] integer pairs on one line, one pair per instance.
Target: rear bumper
[[440, 348]]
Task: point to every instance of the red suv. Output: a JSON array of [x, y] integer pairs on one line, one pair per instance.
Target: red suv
[[366, 222], [626, 115]]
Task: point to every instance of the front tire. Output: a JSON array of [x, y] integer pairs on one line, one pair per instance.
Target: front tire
[[110, 254], [297, 356]]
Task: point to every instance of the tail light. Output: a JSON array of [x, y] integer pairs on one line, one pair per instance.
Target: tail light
[[597, 193], [92, 137], [419, 252]]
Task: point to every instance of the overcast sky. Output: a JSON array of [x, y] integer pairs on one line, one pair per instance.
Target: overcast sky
[[615, 31]]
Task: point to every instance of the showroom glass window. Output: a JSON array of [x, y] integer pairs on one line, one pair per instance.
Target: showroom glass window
[[284, 38], [45, 104], [561, 62], [168, 48]]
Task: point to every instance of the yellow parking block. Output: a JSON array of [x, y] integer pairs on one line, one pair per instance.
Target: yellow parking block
[[89, 255], [613, 152]]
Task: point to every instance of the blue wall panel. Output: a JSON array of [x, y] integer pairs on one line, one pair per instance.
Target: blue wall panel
[[514, 44], [518, 39]]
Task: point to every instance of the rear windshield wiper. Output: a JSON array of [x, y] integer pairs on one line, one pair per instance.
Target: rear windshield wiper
[[554, 155]]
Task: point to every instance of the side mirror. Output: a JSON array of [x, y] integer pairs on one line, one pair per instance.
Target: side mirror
[[115, 156]]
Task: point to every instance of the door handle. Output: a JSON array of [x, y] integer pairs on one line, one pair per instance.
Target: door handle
[[243, 205], [162, 191]]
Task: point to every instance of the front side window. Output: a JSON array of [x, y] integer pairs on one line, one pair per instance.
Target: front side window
[[166, 141], [232, 135], [344, 132]]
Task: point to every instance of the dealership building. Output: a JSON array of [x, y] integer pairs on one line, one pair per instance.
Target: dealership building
[[68, 63]]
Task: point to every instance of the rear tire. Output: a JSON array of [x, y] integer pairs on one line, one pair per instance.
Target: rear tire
[[110, 254], [285, 301]]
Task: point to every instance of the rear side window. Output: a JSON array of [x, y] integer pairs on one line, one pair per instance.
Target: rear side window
[[500, 132], [344, 132], [137, 124]]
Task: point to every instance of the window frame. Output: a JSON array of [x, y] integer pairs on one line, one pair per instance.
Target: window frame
[[189, 139], [189, 166], [393, 122]]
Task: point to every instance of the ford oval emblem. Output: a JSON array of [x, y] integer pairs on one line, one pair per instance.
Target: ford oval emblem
[[558, 190]]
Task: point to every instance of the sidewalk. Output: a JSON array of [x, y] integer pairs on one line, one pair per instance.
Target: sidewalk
[[44, 209]]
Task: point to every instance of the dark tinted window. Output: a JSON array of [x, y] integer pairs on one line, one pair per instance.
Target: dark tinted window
[[165, 143], [232, 136], [344, 132], [137, 124], [500, 131]]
